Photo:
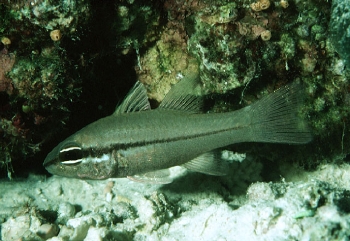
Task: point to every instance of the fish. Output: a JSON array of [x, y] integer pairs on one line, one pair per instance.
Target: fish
[[143, 143]]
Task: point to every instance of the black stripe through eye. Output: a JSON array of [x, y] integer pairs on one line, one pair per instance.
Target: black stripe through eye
[[71, 155]]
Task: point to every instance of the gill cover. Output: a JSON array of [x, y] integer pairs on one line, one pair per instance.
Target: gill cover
[[68, 159]]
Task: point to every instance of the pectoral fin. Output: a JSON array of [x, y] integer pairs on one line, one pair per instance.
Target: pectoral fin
[[163, 176]]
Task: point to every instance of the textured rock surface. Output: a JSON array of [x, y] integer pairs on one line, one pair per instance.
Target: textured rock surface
[[194, 207]]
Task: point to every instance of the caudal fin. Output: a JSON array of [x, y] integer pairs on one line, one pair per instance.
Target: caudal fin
[[275, 118]]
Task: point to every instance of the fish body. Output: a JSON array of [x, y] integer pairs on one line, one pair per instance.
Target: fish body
[[139, 142]]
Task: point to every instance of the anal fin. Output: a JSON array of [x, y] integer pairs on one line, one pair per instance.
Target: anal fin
[[209, 163]]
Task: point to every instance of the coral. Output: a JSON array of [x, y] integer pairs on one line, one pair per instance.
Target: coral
[[32, 92], [217, 44], [252, 31], [288, 46], [223, 14], [136, 25], [37, 83], [27, 23], [284, 3], [5, 41], [55, 35], [165, 64], [265, 35], [64, 14], [6, 62], [260, 5], [308, 63]]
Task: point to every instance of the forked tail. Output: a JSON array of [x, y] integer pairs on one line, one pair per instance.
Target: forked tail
[[275, 118]]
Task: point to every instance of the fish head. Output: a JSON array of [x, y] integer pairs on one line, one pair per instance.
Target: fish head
[[71, 159]]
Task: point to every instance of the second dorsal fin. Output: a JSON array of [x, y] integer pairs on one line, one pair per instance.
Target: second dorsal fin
[[184, 96]]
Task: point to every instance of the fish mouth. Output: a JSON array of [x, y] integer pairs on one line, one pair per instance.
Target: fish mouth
[[46, 163], [49, 168], [48, 160]]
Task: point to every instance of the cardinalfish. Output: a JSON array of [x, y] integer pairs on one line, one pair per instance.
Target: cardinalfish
[[143, 143]]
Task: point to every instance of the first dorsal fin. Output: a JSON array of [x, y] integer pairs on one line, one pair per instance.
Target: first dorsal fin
[[136, 100], [183, 96]]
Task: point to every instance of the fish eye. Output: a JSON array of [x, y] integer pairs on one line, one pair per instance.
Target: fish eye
[[70, 154]]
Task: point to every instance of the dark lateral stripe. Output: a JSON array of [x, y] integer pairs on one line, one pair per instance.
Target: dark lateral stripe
[[94, 152]]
